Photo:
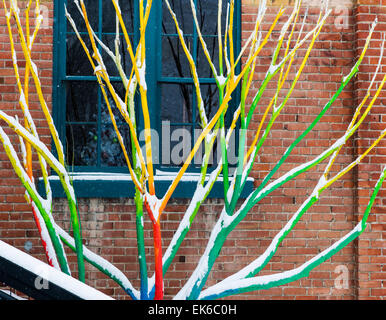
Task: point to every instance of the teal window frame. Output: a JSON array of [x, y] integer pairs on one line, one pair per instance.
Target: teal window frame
[[112, 188]]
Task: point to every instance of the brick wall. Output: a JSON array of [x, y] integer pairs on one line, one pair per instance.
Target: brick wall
[[330, 219], [371, 245], [109, 225]]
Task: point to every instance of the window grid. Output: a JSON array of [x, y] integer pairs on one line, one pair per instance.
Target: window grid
[[62, 79]]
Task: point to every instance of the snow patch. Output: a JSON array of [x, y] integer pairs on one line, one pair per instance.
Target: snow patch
[[142, 76], [35, 69], [98, 69], [154, 204], [222, 80], [14, 58], [322, 181], [272, 69]]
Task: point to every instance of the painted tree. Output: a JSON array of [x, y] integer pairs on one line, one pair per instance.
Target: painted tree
[[214, 130]]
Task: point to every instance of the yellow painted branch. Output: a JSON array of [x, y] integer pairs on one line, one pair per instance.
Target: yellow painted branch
[[24, 105], [305, 59], [111, 90], [42, 101], [193, 67], [231, 43], [355, 163], [121, 142], [142, 87]]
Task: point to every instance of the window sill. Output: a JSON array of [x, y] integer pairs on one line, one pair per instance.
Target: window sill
[[113, 185]]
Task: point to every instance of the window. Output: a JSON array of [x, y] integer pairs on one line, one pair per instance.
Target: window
[[79, 110]]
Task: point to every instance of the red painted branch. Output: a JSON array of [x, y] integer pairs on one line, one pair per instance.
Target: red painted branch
[[159, 282], [149, 212], [41, 237]]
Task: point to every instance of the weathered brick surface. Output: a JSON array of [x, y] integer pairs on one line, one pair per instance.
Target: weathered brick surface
[[371, 245], [109, 225]]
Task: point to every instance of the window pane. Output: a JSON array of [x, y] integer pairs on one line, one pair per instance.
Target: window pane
[[207, 16], [82, 145], [183, 11], [174, 61], [105, 115], [77, 63], [203, 67], [109, 15], [92, 10], [176, 103], [82, 107], [180, 145], [210, 96], [109, 41], [111, 151]]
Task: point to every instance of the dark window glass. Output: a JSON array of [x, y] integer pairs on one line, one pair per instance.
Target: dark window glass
[[77, 61], [82, 144]]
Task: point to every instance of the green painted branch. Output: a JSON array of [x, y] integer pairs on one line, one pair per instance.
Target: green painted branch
[[77, 230], [266, 282], [141, 245], [39, 202], [224, 151], [64, 178], [138, 202], [258, 264], [226, 224], [242, 140], [101, 264], [201, 193], [196, 282]]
